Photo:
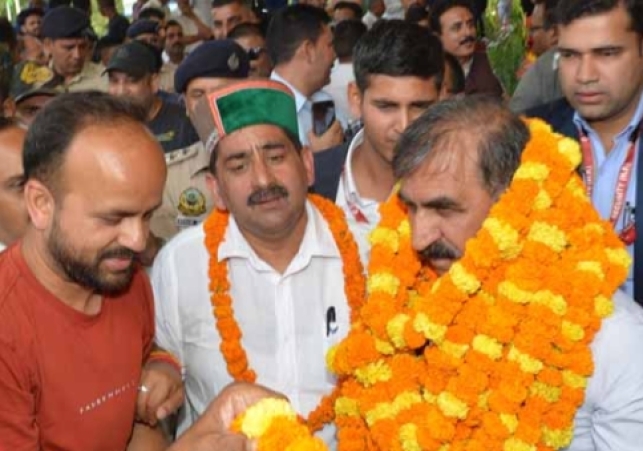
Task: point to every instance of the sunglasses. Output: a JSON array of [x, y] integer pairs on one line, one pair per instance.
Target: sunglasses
[[255, 52]]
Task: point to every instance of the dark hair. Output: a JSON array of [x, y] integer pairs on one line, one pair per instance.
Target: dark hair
[[151, 12], [7, 33], [244, 30], [416, 13], [569, 10], [290, 27], [220, 3], [501, 135], [397, 49], [56, 3], [107, 4], [212, 165], [61, 120], [457, 74], [173, 23], [441, 6], [354, 7], [25, 13], [346, 35], [549, 18]]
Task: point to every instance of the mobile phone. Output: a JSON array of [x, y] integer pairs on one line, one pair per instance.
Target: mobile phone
[[323, 116]]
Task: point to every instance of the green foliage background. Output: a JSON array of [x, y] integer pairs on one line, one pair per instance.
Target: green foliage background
[[507, 42]]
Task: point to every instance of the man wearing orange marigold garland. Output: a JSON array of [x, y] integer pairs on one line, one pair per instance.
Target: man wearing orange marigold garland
[[266, 282], [488, 324]]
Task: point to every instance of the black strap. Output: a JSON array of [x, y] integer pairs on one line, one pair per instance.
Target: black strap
[[638, 217]]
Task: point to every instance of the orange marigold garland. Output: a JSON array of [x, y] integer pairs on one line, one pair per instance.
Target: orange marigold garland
[[495, 354], [509, 326], [231, 347]]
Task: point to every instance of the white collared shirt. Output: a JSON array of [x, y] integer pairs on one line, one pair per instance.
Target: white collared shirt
[[2, 247], [611, 417], [304, 107], [286, 319], [349, 200]]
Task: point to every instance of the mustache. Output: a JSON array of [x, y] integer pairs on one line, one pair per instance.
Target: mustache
[[119, 252], [467, 40], [272, 192], [439, 250]]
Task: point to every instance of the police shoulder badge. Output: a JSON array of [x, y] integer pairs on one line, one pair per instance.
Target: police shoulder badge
[[192, 202]]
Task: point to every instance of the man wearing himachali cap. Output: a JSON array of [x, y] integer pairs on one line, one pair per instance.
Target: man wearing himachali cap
[[268, 252]]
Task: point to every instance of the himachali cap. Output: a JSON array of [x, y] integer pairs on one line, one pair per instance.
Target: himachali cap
[[65, 22], [222, 58], [243, 104]]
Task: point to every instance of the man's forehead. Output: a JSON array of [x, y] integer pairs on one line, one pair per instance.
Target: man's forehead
[[456, 14], [11, 140], [254, 136]]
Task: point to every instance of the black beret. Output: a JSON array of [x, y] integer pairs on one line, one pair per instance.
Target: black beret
[[142, 26], [65, 22], [213, 59]]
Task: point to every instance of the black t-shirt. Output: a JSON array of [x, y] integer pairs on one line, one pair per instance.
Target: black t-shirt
[[172, 128]]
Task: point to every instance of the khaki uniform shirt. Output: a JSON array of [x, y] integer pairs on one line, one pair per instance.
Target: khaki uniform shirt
[[186, 198], [91, 77]]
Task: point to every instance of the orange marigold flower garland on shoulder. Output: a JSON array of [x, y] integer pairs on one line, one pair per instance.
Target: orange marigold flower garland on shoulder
[[495, 354], [222, 306], [509, 326]]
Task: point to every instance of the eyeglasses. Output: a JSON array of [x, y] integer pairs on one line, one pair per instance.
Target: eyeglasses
[[255, 52]]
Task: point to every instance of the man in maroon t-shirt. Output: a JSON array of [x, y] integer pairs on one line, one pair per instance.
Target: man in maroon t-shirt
[[76, 311]]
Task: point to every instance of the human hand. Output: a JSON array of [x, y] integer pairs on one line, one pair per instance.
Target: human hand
[[212, 432], [160, 394], [332, 137]]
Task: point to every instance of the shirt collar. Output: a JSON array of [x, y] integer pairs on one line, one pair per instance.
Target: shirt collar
[[2, 247], [627, 131], [300, 99], [318, 241], [349, 182]]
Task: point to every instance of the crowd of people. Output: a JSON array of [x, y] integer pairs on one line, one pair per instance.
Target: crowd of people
[[191, 208]]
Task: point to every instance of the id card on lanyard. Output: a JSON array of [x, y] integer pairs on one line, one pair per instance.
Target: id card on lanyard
[[628, 233]]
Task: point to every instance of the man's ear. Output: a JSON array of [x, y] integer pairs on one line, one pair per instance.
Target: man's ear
[[40, 204], [9, 107], [213, 185], [155, 82], [354, 99], [308, 51]]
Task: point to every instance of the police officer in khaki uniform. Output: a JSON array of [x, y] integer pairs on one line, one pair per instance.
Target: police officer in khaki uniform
[[65, 32], [187, 199]]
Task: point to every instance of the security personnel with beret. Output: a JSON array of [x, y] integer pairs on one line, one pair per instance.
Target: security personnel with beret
[[65, 32], [145, 30], [186, 199]]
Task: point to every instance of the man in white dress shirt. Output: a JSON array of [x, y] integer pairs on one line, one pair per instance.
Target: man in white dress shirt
[[13, 214], [284, 267], [300, 45]]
